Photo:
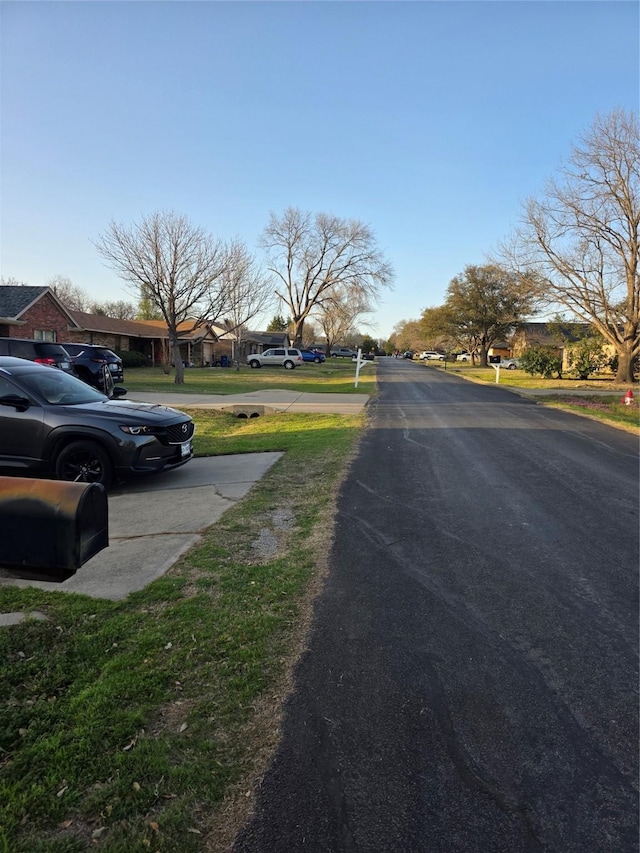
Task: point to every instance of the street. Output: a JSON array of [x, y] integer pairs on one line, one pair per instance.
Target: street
[[470, 681]]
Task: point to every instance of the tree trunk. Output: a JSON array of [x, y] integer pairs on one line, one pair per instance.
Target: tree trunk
[[166, 358], [177, 358], [624, 375], [297, 327]]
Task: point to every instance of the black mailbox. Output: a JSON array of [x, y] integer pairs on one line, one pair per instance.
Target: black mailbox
[[49, 528]]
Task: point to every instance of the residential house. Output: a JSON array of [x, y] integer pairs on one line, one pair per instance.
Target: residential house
[[36, 312], [547, 335], [253, 342]]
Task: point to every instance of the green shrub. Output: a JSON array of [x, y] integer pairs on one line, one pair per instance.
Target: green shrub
[[541, 361], [133, 359], [586, 356]]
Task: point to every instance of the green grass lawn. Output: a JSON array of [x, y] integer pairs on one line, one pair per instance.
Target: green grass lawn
[[335, 375]]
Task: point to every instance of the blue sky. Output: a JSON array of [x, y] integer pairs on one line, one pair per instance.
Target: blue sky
[[430, 121]]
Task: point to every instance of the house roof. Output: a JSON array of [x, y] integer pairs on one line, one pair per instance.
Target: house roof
[[147, 328], [16, 299], [551, 332], [191, 328], [270, 339]]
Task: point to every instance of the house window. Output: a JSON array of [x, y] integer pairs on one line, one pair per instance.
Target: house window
[[44, 335]]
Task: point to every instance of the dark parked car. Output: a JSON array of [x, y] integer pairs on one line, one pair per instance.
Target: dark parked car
[[54, 425], [89, 361], [313, 355], [42, 352]]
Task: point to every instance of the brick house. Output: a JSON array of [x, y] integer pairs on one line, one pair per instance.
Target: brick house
[[36, 312], [202, 344]]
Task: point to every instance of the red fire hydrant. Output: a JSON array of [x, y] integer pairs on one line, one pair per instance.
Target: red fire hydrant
[[628, 398]]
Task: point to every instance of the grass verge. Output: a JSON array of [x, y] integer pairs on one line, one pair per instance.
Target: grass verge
[[335, 376], [602, 408], [139, 724], [605, 404]]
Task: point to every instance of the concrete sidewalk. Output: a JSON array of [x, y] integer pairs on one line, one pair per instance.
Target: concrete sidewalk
[[260, 402]]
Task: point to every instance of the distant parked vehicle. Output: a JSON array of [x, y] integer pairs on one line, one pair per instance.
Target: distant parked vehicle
[[276, 357], [510, 363], [464, 356], [42, 352], [89, 361], [313, 355], [432, 355], [407, 354], [343, 352]]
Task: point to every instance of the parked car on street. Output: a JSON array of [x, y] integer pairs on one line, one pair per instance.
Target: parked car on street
[[464, 356], [42, 352], [510, 363], [432, 355], [89, 361], [54, 425], [342, 352], [276, 357], [313, 355], [407, 354]]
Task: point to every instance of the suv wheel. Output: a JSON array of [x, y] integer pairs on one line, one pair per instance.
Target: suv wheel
[[289, 365], [84, 462], [254, 363]]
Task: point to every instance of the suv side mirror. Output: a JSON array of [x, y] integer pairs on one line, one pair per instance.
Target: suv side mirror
[[118, 391], [21, 404]]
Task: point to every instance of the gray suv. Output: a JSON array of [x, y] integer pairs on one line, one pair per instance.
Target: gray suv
[[276, 357], [54, 425]]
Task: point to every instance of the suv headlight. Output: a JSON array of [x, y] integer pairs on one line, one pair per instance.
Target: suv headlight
[[136, 429]]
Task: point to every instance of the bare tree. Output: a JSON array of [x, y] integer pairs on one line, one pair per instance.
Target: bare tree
[[13, 282], [338, 314], [119, 310], [248, 289], [175, 264], [580, 240], [313, 256], [68, 293]]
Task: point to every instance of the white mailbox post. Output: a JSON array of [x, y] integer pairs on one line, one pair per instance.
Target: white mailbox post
[[360, 362]]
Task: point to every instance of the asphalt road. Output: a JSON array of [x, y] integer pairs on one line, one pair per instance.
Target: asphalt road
[[471, 676]]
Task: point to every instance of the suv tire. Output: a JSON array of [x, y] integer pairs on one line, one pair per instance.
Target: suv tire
[[288, 365], [254, 363], [84, 462]]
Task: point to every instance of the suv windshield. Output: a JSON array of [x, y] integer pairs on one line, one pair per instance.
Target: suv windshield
[[59, 388]]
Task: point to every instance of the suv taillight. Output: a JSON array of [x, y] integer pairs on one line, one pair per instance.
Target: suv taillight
[[49, 361], [99, 360]]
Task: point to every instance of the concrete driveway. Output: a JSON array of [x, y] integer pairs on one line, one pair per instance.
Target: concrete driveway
[[154, 520]]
